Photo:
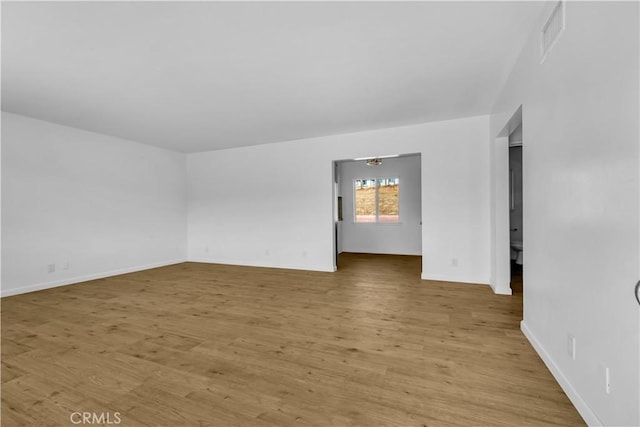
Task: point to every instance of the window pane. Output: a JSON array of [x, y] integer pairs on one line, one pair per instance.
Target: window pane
[[388, 206], [365, 200]]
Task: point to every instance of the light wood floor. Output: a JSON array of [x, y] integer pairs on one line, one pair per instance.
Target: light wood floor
[[213, 345]]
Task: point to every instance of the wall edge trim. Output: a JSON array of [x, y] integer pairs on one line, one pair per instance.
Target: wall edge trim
[[85, 278], [329, 269], [500, 291], [444, 278], [578, 402]]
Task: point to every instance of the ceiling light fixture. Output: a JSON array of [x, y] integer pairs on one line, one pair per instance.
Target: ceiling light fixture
[[388, 156], [376, 161]]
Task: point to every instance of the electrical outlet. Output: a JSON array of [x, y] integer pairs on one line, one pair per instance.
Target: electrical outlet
[[206, 249], [571, 346], [267, 252], [607, 381], [65, 266], [454, 262], [304, 254], [51, 268]]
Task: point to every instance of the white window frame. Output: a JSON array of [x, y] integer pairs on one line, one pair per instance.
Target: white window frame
[[377, 180]]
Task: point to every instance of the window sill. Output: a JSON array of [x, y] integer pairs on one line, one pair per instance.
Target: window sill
[[377, 223]]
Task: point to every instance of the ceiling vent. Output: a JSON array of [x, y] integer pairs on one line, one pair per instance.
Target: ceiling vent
[[552, 30]]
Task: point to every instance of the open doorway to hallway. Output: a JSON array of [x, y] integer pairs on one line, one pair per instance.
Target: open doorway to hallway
[[377, 205], [516, 210], [507, 244]]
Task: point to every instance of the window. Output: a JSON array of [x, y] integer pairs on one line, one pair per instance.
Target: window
[[376, 200]]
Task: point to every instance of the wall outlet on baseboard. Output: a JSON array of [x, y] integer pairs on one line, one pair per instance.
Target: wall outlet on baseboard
[[51, 268], [571, 346]]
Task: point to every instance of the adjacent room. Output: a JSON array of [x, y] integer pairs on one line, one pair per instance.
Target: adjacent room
[[320, 213]]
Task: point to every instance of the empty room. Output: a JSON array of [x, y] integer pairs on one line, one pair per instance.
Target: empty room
[[320, 213]]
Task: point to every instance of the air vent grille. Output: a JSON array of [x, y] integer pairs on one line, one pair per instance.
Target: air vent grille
[[552, 30]]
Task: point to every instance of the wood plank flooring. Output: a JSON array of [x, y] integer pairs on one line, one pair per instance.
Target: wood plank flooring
[[215, 345]]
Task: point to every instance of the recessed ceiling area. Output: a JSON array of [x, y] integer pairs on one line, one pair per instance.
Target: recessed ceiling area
[[197, 76]]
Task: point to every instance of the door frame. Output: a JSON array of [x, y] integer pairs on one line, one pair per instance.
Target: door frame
[[500, 280]]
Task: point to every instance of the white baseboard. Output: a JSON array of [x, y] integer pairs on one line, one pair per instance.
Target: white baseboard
[[583, 409], [455, 279], [370, 252], [329, 269], [85, 278], [501, 291]]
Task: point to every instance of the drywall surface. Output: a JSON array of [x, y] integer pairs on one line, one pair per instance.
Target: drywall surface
[[272, 205], [515, 137], [581, 204], [402, 238], [88, 204]]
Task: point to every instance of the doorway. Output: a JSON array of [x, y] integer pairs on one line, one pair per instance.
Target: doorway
[[501, 199], [378, 205], [516, 241]]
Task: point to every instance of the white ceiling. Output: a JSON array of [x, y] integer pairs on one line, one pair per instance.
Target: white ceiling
[[196, 76]]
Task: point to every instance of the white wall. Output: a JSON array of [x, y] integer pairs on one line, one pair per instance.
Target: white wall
[[101, 204], [581, 203], [402, 238], [271, 205]]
